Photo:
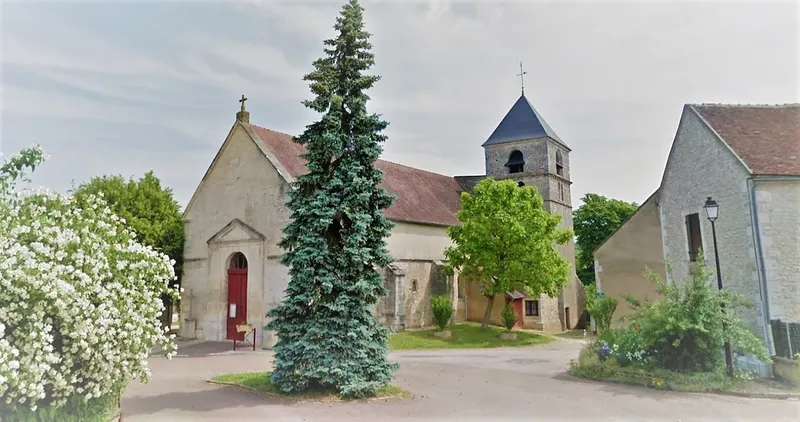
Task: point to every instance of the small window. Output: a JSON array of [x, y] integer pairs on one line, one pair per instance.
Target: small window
[[561, 191], [531, 308], [516, 163], [693, 237], [559, 163], [520, 184], [414, 285], [238, 261]]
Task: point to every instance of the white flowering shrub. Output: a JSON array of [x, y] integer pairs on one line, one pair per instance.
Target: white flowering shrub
[[80, 298]]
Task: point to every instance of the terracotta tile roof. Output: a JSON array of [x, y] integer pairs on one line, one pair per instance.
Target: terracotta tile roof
[[420, 196], [766, 138]]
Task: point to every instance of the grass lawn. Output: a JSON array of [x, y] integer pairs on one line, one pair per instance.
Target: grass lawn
[[465, 336], [259, 382]]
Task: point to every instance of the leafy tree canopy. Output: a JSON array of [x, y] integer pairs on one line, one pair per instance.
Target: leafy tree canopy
[[594, 222], [334, 245], [149, 210], [506, 242]]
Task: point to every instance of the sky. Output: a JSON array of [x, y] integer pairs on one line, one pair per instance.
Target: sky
[[128, 87]]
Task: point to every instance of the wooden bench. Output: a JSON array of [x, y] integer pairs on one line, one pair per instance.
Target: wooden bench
[[245, 329]]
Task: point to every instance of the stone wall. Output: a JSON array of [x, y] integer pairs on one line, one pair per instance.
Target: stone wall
[[240, 185], [699, 166], [778, 205]]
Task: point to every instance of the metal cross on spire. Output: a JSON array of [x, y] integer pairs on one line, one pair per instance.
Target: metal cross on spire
[[242, 101], [521, 75]]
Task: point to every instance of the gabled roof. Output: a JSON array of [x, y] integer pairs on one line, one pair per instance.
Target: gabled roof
[[765, 137], [522, 122], [420, 196], [653, 197]]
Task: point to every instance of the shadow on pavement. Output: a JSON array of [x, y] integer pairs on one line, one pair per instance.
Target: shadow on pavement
[[197, 401], [214, 348]]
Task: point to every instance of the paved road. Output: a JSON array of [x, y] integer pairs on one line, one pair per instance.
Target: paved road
[[525, 384]]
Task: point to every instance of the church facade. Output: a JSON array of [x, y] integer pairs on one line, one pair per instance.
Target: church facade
[[232, 273]]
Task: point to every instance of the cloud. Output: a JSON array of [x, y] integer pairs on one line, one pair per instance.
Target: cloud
[[94, 81]]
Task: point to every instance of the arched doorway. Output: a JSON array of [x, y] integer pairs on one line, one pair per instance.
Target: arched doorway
[[237, 295]]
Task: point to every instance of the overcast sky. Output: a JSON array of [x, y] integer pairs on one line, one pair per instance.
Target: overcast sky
[[126, 87]]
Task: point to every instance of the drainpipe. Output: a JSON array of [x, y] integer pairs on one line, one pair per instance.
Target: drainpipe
[[762, 272]]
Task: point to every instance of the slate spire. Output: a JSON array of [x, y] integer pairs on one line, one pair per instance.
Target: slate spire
[[522, 122]]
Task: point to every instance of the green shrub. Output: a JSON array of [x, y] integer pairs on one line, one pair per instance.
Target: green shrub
[[442, 308], [509, 316], [589, 366], [602, 310], [76, 409], [683, 331]]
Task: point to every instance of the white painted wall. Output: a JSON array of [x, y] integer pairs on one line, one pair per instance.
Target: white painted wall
[[410, 241]]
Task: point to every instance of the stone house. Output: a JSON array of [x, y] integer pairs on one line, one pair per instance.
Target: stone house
[[620, 261], [232, 272], [747, 158]]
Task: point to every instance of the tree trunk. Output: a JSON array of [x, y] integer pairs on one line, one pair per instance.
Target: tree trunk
[[488, 314]]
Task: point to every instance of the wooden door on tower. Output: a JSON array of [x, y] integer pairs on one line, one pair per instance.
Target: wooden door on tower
[[237, 295]]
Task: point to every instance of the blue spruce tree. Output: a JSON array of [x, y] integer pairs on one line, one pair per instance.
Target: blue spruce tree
[[328, 337]]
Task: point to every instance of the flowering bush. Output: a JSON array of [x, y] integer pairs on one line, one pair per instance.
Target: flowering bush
[[80, 298], [604, 351], [686, 329], [627, 346]]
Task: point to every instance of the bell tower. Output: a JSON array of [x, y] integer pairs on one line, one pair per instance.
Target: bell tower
[[525, 148]]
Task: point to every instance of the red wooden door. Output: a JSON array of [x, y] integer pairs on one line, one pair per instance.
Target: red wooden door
[[237, 295], [518, 310]]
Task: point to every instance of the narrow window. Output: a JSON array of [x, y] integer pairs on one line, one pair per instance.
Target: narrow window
[[414, 285], [559, 163], [516, 163], [531, 308], [561, 191], [695, 241]]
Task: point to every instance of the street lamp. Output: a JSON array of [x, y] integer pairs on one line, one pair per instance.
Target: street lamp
[[712, 211]]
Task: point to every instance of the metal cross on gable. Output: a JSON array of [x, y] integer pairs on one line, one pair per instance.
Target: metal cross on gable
[[521, 75]]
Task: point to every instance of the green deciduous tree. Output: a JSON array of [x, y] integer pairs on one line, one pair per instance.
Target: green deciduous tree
[[328, 336], [506, 242], [149, 210], [593, 222]]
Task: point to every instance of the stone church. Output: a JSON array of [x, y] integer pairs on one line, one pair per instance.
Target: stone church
[[232, 272]]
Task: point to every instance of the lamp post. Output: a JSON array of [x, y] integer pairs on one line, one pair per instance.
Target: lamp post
[[712, 211]]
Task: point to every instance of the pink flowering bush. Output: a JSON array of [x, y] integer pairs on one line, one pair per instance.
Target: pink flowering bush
[[80, 298]]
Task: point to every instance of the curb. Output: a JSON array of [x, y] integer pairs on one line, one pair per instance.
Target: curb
[[770, 396], [303, 399]]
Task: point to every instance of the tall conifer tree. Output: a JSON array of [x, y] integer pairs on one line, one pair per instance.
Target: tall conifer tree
[[327, 334]]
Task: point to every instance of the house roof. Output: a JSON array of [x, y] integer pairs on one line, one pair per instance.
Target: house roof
[[420, 196], [522, 122], [765, 137]]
